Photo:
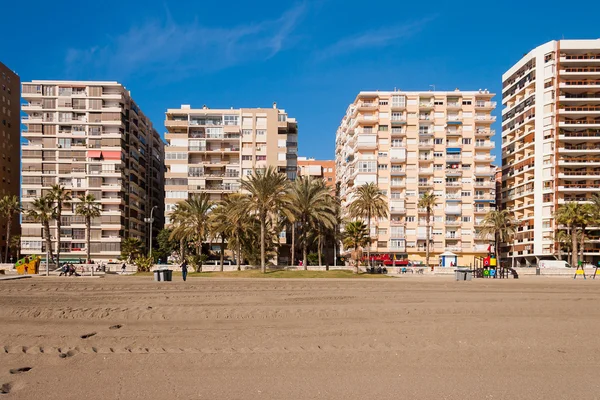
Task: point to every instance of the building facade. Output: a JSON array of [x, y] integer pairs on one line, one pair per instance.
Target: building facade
[[91, 138], [410, 143], [324, 169], [10, 149], [550, 143], [210, 150]]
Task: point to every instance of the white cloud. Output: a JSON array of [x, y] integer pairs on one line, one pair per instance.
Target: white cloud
[[182, 49], [375, 38]]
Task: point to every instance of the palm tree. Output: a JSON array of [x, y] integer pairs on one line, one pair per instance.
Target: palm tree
[[569, 215], [586, 218], [356, 235], [369, 202], [9, 207], [501, 225], [89, 209], [43, 211], [427, 201], [268, 196], [131, 248], [219, 226], [58, 195], [190, 221], [15, 244], [314, 208], [237, 221], [563, 238]]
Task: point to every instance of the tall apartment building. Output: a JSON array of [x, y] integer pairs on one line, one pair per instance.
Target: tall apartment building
[[410, 143], [210, 150], [10, 149], [324, 169], [91, 138], [550, 142]]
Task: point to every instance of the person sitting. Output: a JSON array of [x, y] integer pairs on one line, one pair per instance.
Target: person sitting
[[64, 270]]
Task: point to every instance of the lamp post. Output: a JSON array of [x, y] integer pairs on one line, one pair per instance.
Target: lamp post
[[150, 221]]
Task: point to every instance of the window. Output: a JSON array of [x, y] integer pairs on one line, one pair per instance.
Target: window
[[247, 132], [261, 132], [466, 141], [439, 141], [367, 166], [329, 169], [383, 128], [383, 102], [438, 103], [382, 167], [398, 101], [261, 158], [230, 120], [466, 219], [467, 102], [438, 154], [246, 158], [410, 219], [381, 244], [465, 193], [176, 195], [382, 154], [382, 231]]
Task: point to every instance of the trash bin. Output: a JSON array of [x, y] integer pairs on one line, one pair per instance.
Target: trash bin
[[469, 275], [167, 275], [463, 274], [538, 271], [157, 276]]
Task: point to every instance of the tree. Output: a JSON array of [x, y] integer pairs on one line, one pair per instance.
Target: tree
[[166, 246], [356, 235], [131, 248], [89, 209], [15, 245], [268, 197], [58, 195], [501, 225], [313, 207], [237, 222], [9, 207], [369, 202], [43, 211], [586, 218], [568, 216], [427, 201], [190, 221], [563, 238], [219, 227]]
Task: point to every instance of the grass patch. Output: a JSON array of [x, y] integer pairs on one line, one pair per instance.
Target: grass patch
[[273, 274]]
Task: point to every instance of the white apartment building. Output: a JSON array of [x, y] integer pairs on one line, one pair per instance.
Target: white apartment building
[[550, 143], [91, 138], [410, 143], [210, 150]]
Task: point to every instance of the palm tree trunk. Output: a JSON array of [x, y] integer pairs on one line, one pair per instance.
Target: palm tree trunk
[[48, 239], [574, 247], [8, 223], [319, 248], [293, 262], [582, 245], [305, 253], [262, 244], [427, 239], [222, 251], [58, 226], [199, 251], [369, 246], [497, 251], [239, 254], [88, 240]]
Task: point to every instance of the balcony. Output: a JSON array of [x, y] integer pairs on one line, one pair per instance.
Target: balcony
[[425, 184], [580, 122], [582, 83], [171, 122], [452, 222], [454, 132], [426, 171], [397, 172], [398, 132], [452, 105], [485, 184], [588, 109], [483, 210], [581, 135], [485, 145], [367, 105], [485, 105], [397, 210], [485, 132], [578, 187], [453, 210], [454, 171], [485, 118]]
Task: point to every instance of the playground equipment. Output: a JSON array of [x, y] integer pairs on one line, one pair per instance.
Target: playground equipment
[[29, 265], [487, 267]]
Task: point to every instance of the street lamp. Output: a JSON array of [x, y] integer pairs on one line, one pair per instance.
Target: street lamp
[[150, 221]]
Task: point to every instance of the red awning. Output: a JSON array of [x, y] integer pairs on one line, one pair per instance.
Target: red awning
[[111, 155], [94, 153]]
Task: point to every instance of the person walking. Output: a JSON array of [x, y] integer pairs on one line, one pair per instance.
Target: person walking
[[123, 268], [184, 270]]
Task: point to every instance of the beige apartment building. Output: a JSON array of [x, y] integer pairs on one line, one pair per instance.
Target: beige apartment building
[[410, 143], [550, 143], [324, 169], [91, 138], [211, 150], [10, 148]]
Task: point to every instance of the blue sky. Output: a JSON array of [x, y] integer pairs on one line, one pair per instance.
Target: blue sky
[[310, 57]]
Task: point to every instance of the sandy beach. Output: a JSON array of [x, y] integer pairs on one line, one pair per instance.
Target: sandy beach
[[405, 338]]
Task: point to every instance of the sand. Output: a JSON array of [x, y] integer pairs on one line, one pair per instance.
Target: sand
[[405, 338]]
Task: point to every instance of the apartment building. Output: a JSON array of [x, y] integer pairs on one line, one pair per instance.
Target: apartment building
[[210, 150], [410, 143], [10, 149], [550, 143], [324, 169], [91, 138]]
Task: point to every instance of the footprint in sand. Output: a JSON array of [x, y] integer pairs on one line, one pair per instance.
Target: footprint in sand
[[69, 353], [88, 335], [20, 370], [118, 326], [5, 388]]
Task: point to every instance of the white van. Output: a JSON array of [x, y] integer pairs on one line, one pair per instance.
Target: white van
[[553, 264]]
